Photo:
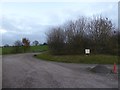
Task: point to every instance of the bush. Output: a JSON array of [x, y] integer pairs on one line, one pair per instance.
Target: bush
[[74, 36]]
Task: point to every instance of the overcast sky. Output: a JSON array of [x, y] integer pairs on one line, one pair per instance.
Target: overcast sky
[[33, 19]]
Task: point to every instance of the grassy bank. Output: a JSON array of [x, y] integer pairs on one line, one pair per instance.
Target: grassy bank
[[10, 50], [91, 59]]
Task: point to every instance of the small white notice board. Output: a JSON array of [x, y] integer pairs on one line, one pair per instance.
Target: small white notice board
[[87, 51]]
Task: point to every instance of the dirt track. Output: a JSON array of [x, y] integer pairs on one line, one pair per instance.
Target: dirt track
[[25, 71]]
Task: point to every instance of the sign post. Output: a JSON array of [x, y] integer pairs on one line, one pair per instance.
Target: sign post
[[87, 51]]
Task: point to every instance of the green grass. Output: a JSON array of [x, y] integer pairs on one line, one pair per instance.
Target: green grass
[[38, 48], [10, 50], [7, 50], [91, 59]]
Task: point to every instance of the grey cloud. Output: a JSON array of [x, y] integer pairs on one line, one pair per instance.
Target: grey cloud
[[34, 32], [35, 26]]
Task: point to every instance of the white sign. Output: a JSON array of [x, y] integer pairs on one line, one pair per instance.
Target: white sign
[[87, 51]]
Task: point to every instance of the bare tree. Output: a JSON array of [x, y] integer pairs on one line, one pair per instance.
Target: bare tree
[[35, 43], [55, 39], [17, 46], [100, 31], [6, 45], [75, 32], [74, 36], [18, 43]]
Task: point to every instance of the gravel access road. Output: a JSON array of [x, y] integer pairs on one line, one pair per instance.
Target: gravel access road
[[26, 71]]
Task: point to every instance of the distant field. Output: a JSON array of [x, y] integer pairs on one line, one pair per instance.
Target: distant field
[[7, 50], [91, 59], [39, 48], [10, 50]]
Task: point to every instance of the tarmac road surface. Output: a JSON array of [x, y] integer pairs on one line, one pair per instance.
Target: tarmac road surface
[[0, 71], [25, 71]]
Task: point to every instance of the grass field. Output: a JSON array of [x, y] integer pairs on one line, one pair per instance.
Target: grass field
[[7, 50], [39, 48], [91, 59], [10, 50]]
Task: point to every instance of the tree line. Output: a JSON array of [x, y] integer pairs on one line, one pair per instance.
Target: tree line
[[22, 46], [97, 33]]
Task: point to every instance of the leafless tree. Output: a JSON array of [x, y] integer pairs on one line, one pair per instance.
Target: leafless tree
[[17, 46], [35, 43], [100, 31], [55, 39], [74, 36]]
